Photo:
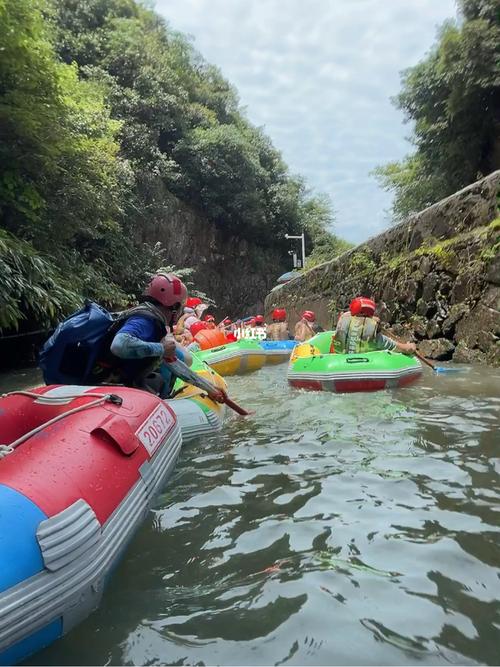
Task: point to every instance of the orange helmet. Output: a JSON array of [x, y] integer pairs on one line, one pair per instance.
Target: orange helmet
[[309, 315], [362, 306]]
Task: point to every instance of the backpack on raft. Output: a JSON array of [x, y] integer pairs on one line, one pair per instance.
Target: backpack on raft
[[71, 353], [77, 350]]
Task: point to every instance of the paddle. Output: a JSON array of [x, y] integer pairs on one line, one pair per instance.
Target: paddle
[[182, 371], [427, 362]]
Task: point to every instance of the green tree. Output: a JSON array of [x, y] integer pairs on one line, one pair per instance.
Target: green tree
[[453, 98]]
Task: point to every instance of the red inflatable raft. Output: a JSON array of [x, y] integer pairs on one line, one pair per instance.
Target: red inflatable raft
[[79, 467]]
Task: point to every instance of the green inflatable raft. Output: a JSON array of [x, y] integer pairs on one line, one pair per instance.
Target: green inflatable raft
[[315, 367]]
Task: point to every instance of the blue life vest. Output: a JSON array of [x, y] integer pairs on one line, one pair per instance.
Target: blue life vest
[[72, 353]]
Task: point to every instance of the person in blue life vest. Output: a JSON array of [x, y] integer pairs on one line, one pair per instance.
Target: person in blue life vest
[[144, 338], [357, 331]]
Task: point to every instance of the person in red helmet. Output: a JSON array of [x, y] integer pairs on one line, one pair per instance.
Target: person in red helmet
[[358, 331], [143, 337], [197, 326], [226, 324], [307, 327], [210, 321], [278, 329], [193, 310]]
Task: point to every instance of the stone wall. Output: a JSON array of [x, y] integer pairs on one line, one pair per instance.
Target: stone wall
[[235, 273], [436, 277]]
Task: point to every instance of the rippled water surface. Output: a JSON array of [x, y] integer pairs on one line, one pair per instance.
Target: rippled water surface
[[327, 529]]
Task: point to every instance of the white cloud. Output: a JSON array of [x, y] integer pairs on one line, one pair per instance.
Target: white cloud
[[318, 74]]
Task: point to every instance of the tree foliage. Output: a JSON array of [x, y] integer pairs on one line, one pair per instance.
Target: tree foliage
[[105, 114], [453, 99]]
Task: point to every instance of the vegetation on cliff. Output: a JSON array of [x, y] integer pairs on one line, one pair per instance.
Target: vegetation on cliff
[[106, 113], [453, 99]]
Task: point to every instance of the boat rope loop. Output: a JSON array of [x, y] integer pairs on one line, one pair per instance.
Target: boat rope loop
[[5, 450]]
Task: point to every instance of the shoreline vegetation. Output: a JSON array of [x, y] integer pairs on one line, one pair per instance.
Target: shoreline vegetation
[[108, 115]]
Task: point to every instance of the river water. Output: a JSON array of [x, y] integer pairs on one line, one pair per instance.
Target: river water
[[325, 530]]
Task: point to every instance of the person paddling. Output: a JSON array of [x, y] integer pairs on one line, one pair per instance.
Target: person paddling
[[358, 331], [144, 339]]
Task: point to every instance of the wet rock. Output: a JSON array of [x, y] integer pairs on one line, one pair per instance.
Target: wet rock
[[455, 314], [397, 331], [383, 313], [491, 298], [486, 340], [464, 355], [440, 348], [433, 329], [419, 326], [425, 265], [467, 286], [493, 271], [481, 319], [442, 308], [389, 295], [409, 292], [422, 308], [493, 356], [430, 287]]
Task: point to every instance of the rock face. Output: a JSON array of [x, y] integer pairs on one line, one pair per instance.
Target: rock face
[[435, 276], [234, 272]]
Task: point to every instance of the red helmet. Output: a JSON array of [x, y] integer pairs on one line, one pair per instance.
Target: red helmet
[[197, 326], [309, 315], [167, 289], [209, 318], [279, 315], [362, 306], [226, 321], [259, 319], [192, 302]]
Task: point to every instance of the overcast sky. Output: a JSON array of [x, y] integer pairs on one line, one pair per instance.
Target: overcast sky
[[318, 75]]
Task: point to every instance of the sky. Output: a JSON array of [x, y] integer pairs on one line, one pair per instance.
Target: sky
[[318, 75]]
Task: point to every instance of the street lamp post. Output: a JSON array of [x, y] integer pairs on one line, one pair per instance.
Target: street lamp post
[[302, 236]]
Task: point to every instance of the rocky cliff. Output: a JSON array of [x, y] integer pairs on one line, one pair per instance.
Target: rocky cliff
[[436, 277], [235, 273]]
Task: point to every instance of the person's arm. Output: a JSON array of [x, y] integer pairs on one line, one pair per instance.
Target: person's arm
[[135, 340], [386, 343], [183, 354], [127, 346]]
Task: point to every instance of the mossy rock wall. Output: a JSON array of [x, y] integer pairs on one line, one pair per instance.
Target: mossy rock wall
[[436, 277]]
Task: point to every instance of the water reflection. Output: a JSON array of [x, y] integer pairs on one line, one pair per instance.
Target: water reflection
[[325, 530]]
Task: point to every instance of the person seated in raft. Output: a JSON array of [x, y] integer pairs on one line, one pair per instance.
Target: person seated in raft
[[358, 331], [307, 327], [229, 327], [278, 329], [144, 339], [226, 325], [194, 346], [210, 321], [193, 310], [259, 323]]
